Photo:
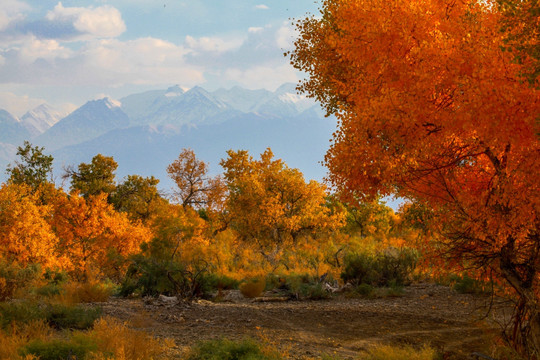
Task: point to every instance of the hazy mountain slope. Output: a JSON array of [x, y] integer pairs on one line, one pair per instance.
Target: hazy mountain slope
[[196, 106], [139, 106], [146, 151], [91, 120], [12, 130], [243, 99], [7, 154]]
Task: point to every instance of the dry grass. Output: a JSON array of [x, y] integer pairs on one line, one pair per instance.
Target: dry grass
[[18, 336], [388, 352], [84, 292], [115, 337]]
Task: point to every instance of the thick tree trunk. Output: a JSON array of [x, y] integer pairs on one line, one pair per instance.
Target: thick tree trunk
[[524, 332]]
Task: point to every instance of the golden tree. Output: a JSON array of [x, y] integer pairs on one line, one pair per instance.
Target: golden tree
[[93, 236], [25, 235], [270, 203]]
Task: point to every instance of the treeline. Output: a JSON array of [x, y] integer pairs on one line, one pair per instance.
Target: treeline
[[258, 217]]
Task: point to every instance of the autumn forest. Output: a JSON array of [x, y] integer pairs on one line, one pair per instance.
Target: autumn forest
[[437, 104]]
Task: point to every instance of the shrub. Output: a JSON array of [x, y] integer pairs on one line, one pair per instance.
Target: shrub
[[85, 292], [149, 276], [253, 288], [466, 285], [364, 290], [78, 347], [14, 277], [315, 292], [72, 317], [19, 335], [222, 282], [380, 269], [21, 313], [224, 349], [58, 316], [299, 286], [386, 352], [115, 338]]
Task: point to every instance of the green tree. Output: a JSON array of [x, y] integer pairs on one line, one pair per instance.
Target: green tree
[[137, 196], [33, 169], [94, 178]]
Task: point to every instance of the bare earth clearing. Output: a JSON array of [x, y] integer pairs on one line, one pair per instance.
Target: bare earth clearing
[[427, 313]]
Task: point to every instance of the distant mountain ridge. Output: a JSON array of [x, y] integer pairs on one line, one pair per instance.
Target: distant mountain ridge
[[146, 131]]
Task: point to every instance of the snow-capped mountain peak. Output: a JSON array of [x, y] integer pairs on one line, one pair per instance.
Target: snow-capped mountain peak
[[291, 98], [111, 103], [40, 119]]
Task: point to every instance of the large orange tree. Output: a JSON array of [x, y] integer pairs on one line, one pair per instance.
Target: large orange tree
[[431, 109]]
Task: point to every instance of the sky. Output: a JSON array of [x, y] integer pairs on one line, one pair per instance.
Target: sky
[[66, 53]]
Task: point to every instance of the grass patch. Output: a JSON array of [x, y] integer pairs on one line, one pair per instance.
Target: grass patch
[[388, 352], [58, 316], [78, 347], [72, 317], [224, 349]]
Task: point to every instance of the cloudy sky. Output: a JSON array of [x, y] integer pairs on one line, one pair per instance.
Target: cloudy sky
[[68, 52]]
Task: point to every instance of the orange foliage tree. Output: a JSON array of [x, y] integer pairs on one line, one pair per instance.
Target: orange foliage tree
[[431, 109], [270, 203], [93, 237], [25, 235]]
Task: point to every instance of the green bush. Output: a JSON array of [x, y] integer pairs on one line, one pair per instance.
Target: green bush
[[152, 276], [14, 277], [314, 292], [72, 317], [364, 290], [224, 349], [215, 282], [20, 312], [76, 348], [380, 269], [466, 285], [58, 316], [298, 286]]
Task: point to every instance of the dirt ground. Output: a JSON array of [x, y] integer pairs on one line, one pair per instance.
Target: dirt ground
[[425, 314]]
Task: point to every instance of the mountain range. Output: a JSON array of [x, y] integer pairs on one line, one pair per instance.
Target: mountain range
[[145, 132]]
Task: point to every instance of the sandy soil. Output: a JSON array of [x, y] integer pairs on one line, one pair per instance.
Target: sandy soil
[[425, 314]]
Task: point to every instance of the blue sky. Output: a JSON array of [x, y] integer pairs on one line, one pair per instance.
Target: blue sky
[[65, 53]]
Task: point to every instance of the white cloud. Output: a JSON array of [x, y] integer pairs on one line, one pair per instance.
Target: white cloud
[[268, 76], [255, 29], [213, 44], [261, 7], [12, 10], [140, 61], [32, 49], [103, 63], [285, 36], [18, 105], [103, 21]]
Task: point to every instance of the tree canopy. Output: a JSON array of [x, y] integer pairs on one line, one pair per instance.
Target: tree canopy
[[432, 109], [33, 169]]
